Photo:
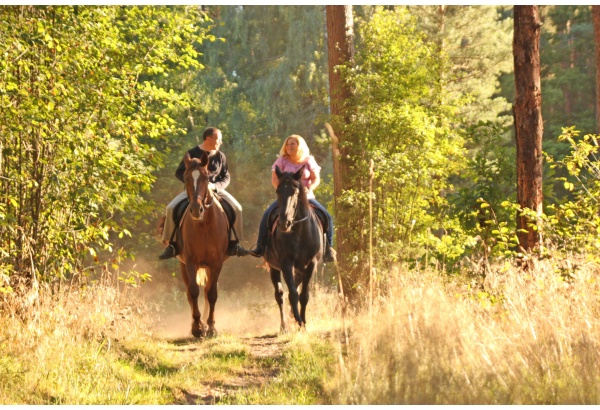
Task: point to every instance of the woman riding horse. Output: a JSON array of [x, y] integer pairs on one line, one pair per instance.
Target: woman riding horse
[[293, 156]]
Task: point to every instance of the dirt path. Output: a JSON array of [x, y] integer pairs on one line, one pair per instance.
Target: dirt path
[[262, 348]]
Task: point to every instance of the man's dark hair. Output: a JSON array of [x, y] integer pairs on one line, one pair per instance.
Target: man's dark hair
[[208, 132]]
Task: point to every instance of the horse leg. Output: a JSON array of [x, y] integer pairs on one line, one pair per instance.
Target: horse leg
[[193, 291], [276, 280], [310, 269], [288, 276], [206, 310], [211, 294]]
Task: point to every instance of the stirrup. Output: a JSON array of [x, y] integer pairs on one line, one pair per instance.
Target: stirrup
[[236, 250], [330, 255], [169, 252], [257, 250]]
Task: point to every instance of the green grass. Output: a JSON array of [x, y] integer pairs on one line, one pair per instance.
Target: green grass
[[512, 338], [302, 370], [68, 353]]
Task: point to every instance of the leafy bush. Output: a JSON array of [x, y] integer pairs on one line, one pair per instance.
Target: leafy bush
[[79, 101]]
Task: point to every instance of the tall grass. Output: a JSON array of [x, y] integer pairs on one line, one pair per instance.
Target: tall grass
[[72, 346], [516, 338], [98, 343], [521, 338]]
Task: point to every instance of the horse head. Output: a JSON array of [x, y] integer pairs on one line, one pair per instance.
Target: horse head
[[290, 195], [196, 181]]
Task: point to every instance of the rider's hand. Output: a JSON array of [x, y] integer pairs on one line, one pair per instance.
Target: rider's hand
[[212, 186]]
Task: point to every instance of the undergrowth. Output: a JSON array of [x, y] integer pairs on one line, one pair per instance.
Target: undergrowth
[[511, 337]]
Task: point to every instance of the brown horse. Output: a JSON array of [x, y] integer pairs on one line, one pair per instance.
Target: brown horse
[[204, 233]]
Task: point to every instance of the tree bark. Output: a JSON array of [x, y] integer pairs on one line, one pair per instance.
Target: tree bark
[[528, 120], [340, 45], [596, 20]]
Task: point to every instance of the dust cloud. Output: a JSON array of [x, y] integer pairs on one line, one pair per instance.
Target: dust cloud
[[245, 306]]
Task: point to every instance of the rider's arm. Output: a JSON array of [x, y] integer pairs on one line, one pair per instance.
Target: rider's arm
[[223, 178], [274, 179], [314, 168], [315, 180], [180, 170]]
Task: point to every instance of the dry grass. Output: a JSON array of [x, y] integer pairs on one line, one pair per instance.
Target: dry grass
[[66, 346], [523, 338], [96, 343], [518, 338]]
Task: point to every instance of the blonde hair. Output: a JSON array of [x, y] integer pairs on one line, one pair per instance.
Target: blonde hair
[[303, 151]]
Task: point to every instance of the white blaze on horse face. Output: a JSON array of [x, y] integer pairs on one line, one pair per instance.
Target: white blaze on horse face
[[290, 206], [195, 175]]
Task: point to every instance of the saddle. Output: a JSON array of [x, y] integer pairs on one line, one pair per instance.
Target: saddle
[[182, 206], [273, 217]]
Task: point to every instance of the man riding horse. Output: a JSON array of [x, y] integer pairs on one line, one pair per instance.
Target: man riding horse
[[219, 179]]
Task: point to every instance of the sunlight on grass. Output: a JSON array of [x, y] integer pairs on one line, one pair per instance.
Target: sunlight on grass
[[511, 338], [522, 338]]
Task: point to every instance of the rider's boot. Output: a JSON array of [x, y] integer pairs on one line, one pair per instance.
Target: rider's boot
[[169, 252], [330, 254], [235, 249], [257, 250]]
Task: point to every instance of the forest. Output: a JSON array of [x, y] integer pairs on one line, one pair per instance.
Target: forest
[[464, 191]]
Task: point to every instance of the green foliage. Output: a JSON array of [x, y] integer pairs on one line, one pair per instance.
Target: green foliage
[[400, 122], [80, 103], [569, 227], [568, 73], [263, 82], [574, 225], [490, 173], [478, 43]]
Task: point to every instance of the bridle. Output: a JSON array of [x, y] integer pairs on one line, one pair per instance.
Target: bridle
[[203, 204], [294, 220], [203, 201]]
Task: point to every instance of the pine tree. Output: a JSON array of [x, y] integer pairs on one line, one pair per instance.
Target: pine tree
[[528, 121]]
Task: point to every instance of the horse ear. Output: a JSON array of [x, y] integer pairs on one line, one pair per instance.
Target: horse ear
[[298, 174], [187, 159], [204, 159], [278, 172]]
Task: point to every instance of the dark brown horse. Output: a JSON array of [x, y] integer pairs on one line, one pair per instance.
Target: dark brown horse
[[204, 233], [295, 247]]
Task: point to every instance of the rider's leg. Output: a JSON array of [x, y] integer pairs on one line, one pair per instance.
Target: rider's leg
[[261, 242], [330, 254], [235, 248], [169, 227]]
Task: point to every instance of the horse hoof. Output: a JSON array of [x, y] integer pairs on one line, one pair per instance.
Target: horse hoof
[[212, 333], [198, 332]]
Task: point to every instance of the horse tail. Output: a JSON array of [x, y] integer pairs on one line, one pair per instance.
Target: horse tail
[[201, 276]]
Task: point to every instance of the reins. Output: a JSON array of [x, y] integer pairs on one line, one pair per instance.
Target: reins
[[294, 220]]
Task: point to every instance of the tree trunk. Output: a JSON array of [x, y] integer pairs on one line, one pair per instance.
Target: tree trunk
[[528, 120], [596, 19], [340, 45]]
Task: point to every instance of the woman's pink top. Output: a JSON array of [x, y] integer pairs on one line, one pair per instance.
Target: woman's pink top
[[310, 165]]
